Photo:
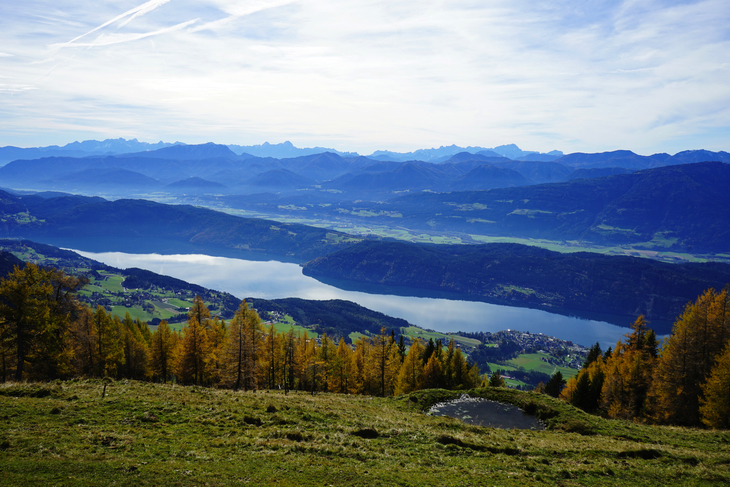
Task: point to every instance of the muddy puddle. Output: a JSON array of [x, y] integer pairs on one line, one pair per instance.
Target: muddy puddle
[[482, 412]]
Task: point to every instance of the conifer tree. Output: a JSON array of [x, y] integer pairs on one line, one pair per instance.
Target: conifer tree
[[274, 357], [363, 372], [342, 368], [496, 380], [83, 337], [688, 357], [110, 343], [411, 371], [628, 373], [291, 364], [431, 377], [194, 354], [36, 307], [715, 405], [162, 352], [382, 347], [555, 385], [243, 349], [136, 353], [584, 390]]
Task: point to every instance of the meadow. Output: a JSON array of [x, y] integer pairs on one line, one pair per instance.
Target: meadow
[[67, 433]]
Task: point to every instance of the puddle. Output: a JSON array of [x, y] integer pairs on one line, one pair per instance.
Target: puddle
[[482, 412]]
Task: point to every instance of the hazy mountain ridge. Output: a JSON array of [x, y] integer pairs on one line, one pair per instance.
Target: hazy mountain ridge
[[238, 173], [79, 149]]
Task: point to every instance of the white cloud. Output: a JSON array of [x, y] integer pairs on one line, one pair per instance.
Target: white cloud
[[375, 74]]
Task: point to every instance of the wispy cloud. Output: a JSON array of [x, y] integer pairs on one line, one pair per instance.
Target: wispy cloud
[[376, 74], [118, 38], [129, 15], [236, 10]]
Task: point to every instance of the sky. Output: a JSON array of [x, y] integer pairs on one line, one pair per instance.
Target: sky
[[366, 75]]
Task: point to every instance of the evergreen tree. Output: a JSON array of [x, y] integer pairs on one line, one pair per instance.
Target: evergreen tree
[[496, 380], [593, 353], [555, 385]]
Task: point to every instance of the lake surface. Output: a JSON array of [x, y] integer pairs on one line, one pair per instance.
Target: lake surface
[[273, 279]]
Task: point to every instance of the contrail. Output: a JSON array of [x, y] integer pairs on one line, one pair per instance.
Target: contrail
[[135, 12]]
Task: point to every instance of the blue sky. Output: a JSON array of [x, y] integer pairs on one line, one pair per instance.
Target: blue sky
[[363, 75]]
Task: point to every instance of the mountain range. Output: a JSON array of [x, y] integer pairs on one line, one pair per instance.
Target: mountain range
[[194, 169]]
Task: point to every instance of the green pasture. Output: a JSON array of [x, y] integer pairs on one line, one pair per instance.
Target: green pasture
[[426, 335]]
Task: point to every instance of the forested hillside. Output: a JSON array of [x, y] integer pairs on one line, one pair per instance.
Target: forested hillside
[[681, 208], [518, 274], [145, 226]]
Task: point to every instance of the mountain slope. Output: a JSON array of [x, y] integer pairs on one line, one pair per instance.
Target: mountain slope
[[530, 276], [143, 223], [681, 207]]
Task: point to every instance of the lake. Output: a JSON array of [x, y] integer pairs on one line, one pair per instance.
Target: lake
[[273, 279]]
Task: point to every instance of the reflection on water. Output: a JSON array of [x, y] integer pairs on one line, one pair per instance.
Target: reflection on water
[[273, 279], [481, 412]]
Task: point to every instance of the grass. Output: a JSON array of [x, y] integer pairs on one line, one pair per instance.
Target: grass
[[112, 282], [65, 433], [533, 361], [426, 335]]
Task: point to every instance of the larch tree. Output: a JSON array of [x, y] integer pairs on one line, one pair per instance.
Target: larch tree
[[36, 307], [162, 352], [715, 405], [431, 377], [240, 353], [136, 352], [83, 336], [274, 357], [290, 364], [584, 390], [382, 347], [342, 369], [628, 373], [688, 357], [409, 375], [200, 312], [109, 344], [194, 354]]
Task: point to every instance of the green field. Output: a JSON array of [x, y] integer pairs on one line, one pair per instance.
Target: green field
[[287, 323], [532, 361], [427, 335], [66, 433]]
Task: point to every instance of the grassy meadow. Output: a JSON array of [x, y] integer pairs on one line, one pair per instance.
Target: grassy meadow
[[66, 433]]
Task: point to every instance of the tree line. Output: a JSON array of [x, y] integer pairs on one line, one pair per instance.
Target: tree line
[[685, 382], [46, 333]]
